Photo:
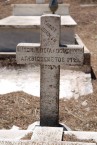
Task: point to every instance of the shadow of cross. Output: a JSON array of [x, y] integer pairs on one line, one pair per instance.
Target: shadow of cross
[[50, 55]]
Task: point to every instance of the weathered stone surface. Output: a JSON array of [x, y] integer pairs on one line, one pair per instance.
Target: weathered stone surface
[[49, 91], [13, 134], [43, 143], [32, 53], [46, 134], [50, 56], [33, 22], [30, 9], [68, 35], [49, 95], [49, 52], [50, 31], [18, 29]]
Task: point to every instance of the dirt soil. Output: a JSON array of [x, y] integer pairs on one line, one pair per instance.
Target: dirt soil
[[21, 109]]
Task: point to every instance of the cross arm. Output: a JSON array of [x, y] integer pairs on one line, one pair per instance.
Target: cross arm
[[27, 53]]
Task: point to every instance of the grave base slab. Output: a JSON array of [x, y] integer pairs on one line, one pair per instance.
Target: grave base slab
[[82, 138], [47, 134], [43, 143], [37, 123]]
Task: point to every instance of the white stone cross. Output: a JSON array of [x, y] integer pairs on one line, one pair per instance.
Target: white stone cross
[[50, 55]]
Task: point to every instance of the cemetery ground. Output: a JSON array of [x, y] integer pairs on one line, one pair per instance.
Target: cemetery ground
[[21, 109]]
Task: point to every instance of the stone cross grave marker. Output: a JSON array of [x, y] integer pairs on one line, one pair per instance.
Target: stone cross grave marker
[[50, 55]]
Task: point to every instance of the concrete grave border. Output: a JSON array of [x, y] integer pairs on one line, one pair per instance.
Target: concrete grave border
[[82, 135], [30, 9]]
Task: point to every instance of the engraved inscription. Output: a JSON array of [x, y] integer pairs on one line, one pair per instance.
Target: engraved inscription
[[51, 39], [49, 31], [49, 56], [49, 50], [51, 27], [49, 59], [45, 31]]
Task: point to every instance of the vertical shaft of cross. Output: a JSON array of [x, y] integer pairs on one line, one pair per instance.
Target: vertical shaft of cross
[[50, 74], [49, 101]]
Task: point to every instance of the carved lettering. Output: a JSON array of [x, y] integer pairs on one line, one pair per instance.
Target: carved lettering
[[50, 26], [73, 60], [46, 32]]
